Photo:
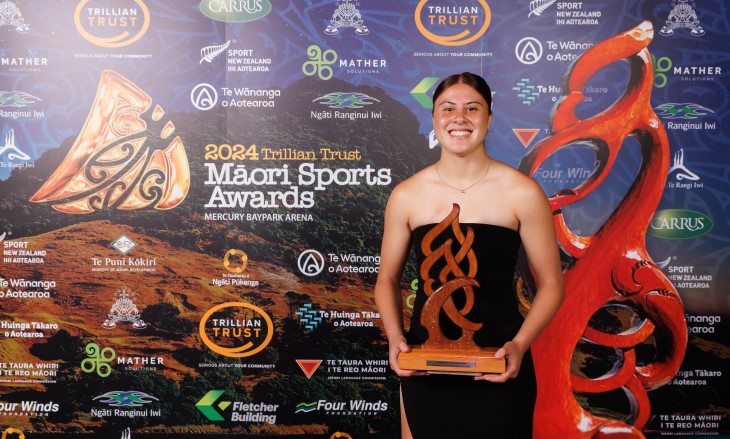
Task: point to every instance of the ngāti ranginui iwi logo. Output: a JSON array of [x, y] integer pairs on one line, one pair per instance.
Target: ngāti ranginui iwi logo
[[452, 25], [236, 329], [125, 398], [118, 26], [124, 158]]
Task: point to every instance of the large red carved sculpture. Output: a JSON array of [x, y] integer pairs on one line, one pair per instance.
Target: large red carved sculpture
[[611, 267]]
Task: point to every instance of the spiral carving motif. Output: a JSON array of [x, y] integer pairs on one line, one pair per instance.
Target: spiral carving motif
[[450, 279], [610, 267], [123, 158]]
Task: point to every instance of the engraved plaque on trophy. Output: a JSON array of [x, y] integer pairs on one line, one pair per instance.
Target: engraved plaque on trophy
[[440, 354]]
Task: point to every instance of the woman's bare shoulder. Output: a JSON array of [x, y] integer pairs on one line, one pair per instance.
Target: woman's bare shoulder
[[513, 180], [413, 184]]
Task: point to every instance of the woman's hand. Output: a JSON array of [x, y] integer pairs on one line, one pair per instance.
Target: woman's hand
[[395, 348], [513, 354]]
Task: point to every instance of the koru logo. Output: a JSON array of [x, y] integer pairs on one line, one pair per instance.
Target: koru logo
[[319, 63], [528, 50], [310, 262], [98, 360], [204, 96]]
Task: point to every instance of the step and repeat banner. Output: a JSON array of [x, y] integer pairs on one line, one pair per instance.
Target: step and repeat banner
[[192, 192]]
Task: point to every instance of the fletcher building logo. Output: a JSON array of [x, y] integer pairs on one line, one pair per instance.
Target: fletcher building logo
[[235, 11], [449, 25], [106, 26], [243, 412], [208, 407]]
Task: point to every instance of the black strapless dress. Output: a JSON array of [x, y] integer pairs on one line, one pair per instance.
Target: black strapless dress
[[451, 406]]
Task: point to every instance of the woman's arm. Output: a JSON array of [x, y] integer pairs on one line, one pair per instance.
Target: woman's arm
[[388, 295], [538, 238]]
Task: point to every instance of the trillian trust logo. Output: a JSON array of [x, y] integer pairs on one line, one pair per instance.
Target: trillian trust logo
[[236, 329], [448, 25], [115, 27]]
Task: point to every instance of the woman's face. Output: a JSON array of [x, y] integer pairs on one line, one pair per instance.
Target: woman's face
[[461, 119]]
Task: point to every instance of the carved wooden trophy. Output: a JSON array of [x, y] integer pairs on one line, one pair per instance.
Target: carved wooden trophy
[[440, 354]]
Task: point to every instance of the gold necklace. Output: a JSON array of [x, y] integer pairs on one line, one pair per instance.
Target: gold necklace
[[463, 191]]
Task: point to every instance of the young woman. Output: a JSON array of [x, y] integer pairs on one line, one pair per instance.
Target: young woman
[[505, 210]]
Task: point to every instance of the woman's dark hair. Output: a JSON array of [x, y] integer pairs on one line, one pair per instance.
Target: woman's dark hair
[[473, 80]]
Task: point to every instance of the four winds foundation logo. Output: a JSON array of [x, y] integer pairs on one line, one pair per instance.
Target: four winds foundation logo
[[123, 158]]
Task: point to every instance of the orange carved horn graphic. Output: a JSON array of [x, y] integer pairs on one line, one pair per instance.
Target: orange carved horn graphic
[[122, 158], [610, 268]]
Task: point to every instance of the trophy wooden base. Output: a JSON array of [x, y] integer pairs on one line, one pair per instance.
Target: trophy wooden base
[[471, 362]]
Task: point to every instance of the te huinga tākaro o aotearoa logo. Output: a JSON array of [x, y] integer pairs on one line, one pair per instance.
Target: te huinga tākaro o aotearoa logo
[[124, 158]]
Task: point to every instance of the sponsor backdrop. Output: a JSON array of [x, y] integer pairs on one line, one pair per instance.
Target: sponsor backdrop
[[191, 201]]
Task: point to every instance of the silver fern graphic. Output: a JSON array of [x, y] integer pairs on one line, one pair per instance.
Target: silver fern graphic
[[537, 7], [208, 54]]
